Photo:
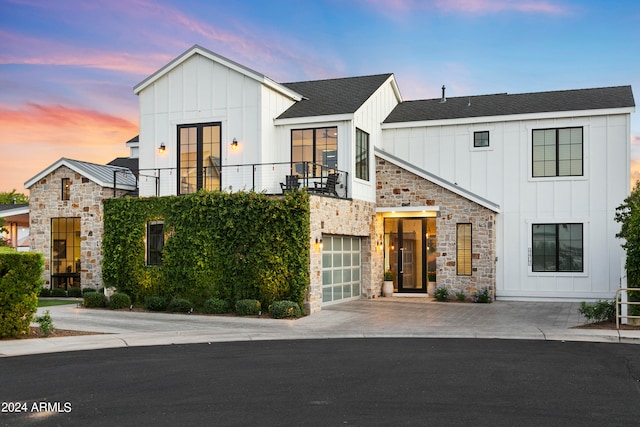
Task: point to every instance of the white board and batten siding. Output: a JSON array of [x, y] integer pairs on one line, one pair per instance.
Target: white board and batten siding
[[502, 174]]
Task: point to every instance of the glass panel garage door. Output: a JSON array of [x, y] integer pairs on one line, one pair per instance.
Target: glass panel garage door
[[340, 268]]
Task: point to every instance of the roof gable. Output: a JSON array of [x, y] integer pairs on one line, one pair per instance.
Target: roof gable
[[333, 96], [199, 50], [102, 175], [504, 104]]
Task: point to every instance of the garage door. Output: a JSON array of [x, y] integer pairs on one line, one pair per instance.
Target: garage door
[[341, 258]]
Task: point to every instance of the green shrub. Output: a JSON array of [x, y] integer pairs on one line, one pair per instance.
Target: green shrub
[[45, 292], [46, 324], [180, 305], [155, 303], [58, 292], [482, 296], [119, 300], [247, 307], [598, 311], [216, 306], [94, 300], [74, 292], [86, 290], [284, 309], [441, 294], [460, 296], [20, 282]]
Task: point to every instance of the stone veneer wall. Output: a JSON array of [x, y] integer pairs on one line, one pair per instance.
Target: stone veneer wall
[[399, 187], [45, 202], [331, 216]]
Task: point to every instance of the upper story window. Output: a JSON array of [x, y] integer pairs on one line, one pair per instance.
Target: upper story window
[[362, 155], [155, 242], [199, 154], [66, 189], [463, 250], [481, 139], [557, 247], [316, 148], [557, 152]]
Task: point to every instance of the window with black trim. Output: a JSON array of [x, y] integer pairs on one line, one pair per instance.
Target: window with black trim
[[362, 155], [557, 247], [66, 188], [155, 242], [199, 154], [557, 152], [317, 149], [481, 139], [463, 249]]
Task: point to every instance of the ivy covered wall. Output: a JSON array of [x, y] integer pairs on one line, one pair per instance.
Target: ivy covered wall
[[217, 244]]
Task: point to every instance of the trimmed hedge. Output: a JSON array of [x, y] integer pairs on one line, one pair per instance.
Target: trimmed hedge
[[119, 300], [45, 292], [284, 310], [20, 283], [74, 292], [216, 306], [180, 305], [155, 303], [247, 307], [95, 300], [58, 292]]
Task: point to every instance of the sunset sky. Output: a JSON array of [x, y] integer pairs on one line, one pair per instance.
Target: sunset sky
[[68, 67]]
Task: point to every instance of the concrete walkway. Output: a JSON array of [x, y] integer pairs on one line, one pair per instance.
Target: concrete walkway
[[381, 317]]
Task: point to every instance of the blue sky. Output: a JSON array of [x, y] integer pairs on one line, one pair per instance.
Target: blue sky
[[68, 67]]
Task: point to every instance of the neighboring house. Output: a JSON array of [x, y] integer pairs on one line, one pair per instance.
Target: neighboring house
[[511, 193], [16, 223], [66, 213]]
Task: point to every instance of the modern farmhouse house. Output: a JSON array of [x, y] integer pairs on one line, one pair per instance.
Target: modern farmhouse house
[[512, 193]]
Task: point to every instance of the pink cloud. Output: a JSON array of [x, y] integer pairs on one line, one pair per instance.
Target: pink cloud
[[48, 132], [477, 7]]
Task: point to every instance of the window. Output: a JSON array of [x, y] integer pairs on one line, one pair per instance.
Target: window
[[463, 249], [362, 155], [315, 148], [66, 188], [65, 247], [481, 139], [199, 157], [557, 152], [155, 242], [557, 247]]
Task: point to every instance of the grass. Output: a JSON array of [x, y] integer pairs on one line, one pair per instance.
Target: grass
[[52, 302]]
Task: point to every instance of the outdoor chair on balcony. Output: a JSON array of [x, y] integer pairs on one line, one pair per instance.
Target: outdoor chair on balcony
[[326, 187], [291, 183]]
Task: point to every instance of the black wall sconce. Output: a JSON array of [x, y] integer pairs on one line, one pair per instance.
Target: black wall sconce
[[234, 144], [162, 148]]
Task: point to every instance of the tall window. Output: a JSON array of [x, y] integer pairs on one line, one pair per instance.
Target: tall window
[[155, 242], [557, 247], [362, 155], [199, 157], [66, 188], [481, 139], [316, 148], [557, 152], [463, 249], [65, 246]]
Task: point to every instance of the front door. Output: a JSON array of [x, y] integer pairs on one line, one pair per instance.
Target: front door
[[409, 242]]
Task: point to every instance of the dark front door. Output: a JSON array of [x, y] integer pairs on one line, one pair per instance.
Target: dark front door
[[405, 253]]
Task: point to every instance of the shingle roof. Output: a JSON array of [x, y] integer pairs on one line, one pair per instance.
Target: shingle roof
[[333, 96], [125, 162], [505, 104]]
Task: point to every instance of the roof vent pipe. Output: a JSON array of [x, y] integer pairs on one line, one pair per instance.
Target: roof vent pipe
[[443, 99]]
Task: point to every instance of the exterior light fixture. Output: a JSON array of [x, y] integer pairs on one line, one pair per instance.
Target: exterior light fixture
[[234, 144], [162, 148], [318, 244]]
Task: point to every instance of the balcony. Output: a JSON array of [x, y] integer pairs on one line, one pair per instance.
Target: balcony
[[269, 178]]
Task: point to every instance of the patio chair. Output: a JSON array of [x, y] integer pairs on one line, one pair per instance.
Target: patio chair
[[291, 183], [326, 187]]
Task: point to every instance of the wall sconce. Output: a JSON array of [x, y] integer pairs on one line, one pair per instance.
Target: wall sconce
[[379, 246], [318, 244], [234, 144], [162, 148]]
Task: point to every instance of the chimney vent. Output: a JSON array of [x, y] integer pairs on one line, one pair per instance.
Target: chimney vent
[[443, 99]]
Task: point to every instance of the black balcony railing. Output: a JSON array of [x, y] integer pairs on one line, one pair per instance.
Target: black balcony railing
[[270, 178]]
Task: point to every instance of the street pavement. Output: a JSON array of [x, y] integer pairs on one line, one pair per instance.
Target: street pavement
[[395, 317]]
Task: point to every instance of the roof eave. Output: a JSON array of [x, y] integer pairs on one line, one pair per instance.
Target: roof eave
[[65, 162], [313, 119]]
